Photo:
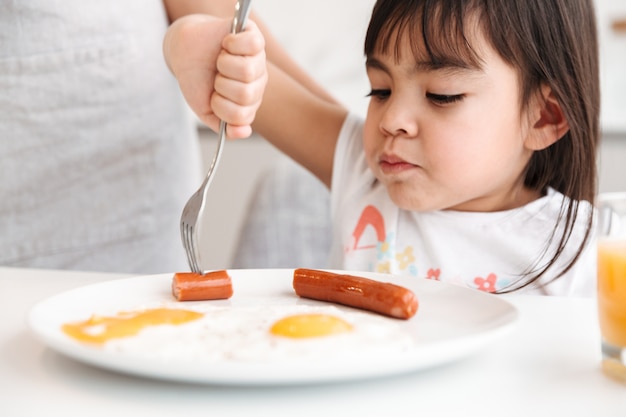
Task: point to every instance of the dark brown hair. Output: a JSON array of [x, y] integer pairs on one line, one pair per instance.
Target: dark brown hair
[[549, 42]]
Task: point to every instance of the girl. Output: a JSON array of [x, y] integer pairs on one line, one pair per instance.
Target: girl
[[476, 161]]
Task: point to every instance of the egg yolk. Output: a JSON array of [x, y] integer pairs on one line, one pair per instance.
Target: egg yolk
[[98, 329], [309, 325]]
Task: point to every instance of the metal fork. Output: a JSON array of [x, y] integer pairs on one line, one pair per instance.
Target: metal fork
[[194, 207]]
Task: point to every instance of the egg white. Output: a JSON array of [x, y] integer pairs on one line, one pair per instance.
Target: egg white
[[243, 334]]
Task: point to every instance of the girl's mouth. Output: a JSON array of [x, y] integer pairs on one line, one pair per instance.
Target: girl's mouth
[[391, 164]]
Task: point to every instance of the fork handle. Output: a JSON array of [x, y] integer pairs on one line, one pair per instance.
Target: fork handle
[[216, 159], [242, 9]]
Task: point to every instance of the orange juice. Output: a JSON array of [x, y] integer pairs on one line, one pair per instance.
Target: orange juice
[[612, 290]]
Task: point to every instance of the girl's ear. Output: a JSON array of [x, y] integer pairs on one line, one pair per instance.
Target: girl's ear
[[548, 123]]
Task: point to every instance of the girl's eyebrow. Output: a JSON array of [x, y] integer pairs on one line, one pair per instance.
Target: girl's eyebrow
[[373, 63], [448, 67]]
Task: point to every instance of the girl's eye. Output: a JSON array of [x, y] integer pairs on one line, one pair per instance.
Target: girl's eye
[[380, 94], [443, 99]]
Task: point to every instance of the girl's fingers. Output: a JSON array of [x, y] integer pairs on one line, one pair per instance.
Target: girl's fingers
[[233, 113], [238, 132], [232, 131], [240, 81], [248, 42], [240, 93], [245, 68], [243, 56]]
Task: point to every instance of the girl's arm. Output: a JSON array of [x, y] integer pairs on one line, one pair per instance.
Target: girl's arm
[[301, 124]]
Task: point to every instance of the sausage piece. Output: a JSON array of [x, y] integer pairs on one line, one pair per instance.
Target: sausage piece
[[190, 286], [364, 293]]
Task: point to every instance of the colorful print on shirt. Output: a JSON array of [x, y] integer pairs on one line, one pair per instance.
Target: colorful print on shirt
[[370, 234]]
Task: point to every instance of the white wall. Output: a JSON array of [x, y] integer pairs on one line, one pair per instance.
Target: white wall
[[612, 162], [612, 64]]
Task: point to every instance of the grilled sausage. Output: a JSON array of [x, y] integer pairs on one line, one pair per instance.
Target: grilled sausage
[[367, 294], [190, 286]]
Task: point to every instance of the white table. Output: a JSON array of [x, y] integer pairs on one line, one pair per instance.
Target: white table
[[549, 365]]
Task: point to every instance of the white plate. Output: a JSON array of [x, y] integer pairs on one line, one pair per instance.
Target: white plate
[[452, 322]]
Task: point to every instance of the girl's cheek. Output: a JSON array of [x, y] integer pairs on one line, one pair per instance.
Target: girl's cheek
[[369, 136], [371, 126], [371, 148]]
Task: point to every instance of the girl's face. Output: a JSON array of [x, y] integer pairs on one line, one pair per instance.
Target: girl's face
[[447, 137]]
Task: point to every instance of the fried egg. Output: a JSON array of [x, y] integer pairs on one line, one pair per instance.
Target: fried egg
[[265, 333]]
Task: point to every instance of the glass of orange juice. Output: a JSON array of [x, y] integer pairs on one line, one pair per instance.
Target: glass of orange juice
[[612, 282]]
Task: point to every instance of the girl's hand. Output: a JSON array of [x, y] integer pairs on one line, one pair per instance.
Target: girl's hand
[[221, 75]]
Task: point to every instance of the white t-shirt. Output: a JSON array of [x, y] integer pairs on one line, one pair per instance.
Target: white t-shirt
[[98, 151], [486, 251]]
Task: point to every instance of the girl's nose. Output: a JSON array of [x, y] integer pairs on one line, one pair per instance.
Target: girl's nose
[[399, 119]]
